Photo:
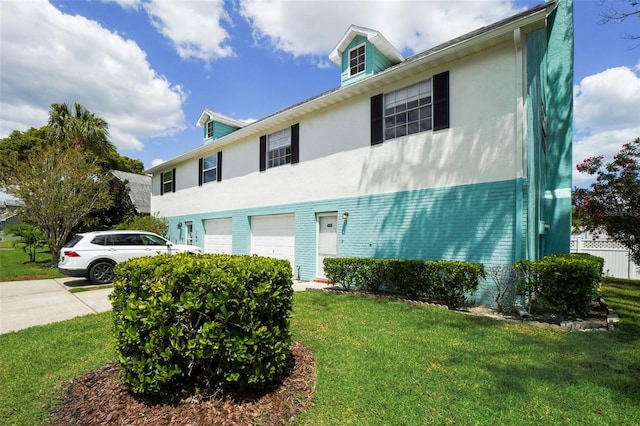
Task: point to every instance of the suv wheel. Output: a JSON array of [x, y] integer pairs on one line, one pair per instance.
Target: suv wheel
[[101, 272]]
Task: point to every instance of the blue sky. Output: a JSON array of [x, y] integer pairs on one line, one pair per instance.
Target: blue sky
[[149, 67]]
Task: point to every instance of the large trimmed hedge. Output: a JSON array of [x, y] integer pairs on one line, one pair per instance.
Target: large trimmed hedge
[[212, 319], [442, 281], [565, 284]]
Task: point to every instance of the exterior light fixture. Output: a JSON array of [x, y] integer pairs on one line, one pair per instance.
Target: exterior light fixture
[[345, 215], [179, 225]]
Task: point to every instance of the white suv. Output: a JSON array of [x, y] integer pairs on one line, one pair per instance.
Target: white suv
[[93, 254]]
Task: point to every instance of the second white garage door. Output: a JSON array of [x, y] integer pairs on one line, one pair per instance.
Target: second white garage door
[[217, 236], [274, 236]]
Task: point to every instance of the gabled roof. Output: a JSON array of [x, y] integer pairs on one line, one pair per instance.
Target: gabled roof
[[473, 42], [139, 187], [208, 115], [374, 37]]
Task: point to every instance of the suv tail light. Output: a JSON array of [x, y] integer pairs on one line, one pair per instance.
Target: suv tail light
[[71, 253]]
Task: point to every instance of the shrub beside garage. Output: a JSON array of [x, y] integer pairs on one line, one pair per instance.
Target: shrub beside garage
[[206, 319], [441, 281]]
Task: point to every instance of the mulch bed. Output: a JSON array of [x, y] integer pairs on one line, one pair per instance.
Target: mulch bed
[[98, 399]]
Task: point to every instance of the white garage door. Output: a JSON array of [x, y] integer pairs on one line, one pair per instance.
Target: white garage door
[[217, 237], [274, 236]]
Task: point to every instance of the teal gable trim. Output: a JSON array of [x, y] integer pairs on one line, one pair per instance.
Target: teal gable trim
[[536, 47], [550, 134], [219, 130], [375, 60], [559, 94]]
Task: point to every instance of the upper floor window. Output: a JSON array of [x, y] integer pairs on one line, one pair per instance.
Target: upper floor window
[[168, 181], [279, 148], [413, 109], [408, 110], [209, 129], [357, 60], [210, 168]]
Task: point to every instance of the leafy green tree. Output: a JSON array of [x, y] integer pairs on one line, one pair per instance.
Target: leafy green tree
[[31, 238], [81, 129], [612, 202], [154, 223], [59, 187], [23, 142]]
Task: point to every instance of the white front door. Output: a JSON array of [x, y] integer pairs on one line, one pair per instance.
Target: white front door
[[327, 240], [189, 234]]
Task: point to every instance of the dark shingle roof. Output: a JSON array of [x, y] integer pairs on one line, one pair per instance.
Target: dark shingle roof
[[139, 189]]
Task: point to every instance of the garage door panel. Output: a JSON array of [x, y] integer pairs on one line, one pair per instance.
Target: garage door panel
[[218, 237], [274, 236]]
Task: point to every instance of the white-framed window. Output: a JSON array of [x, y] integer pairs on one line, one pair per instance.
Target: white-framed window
[[408, 110], [279, 148], [209, 129], [357, 60], [210, 168]]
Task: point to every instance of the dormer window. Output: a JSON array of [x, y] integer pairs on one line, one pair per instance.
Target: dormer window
[[357, 60], [209, 129]]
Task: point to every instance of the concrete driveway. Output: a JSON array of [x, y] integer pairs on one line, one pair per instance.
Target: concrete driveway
[[27, 303], [24, 304]]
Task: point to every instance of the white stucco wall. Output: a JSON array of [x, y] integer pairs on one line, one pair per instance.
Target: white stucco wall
[[337, 160]]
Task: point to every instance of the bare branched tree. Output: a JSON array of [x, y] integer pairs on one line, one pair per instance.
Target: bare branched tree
[[616, 11]]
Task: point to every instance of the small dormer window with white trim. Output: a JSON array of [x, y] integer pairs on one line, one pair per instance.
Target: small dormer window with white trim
[[357, 60], [209, 129]]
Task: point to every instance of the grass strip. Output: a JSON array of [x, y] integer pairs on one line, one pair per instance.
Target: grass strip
[[384, 362]]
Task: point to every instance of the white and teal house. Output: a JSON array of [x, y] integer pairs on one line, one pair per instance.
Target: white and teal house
[[461, 152]]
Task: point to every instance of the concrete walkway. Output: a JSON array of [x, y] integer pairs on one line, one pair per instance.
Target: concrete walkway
[[24, 304]]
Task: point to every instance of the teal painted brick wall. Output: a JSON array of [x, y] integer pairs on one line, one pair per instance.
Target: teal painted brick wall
[[470, 222]]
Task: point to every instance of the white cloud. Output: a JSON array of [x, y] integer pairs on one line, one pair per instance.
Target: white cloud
[[313, 27], [157, 162], [608, 100], [126, 4], [606, 115], [51, 57], [194, 27]]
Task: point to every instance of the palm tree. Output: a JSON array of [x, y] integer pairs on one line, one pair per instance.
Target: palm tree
[[80, 129]]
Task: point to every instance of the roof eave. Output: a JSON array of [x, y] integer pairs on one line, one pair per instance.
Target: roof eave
[[529, 21]]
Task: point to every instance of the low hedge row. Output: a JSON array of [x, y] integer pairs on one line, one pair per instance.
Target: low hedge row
[[441, 281], [565, 284], [213, 319]]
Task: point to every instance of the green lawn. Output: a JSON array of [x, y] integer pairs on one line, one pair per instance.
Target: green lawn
[[389, 363], [15, 266]]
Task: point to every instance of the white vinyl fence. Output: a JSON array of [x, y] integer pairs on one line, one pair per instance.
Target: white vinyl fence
[[617, 262]]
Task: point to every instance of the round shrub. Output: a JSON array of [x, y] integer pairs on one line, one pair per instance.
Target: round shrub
[[212, 319]]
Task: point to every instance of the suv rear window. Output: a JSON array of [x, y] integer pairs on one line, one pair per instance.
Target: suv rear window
[[75, 241]]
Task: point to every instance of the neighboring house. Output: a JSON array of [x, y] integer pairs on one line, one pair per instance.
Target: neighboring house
[[9, 210], [460, 152], [139, 187]]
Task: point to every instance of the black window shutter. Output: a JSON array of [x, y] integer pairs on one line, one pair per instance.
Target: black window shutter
[[161, 183], [441, 101], [173, 182], [295, 143], [200, 172], [263, 153], [377, 128], [219, 177]]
